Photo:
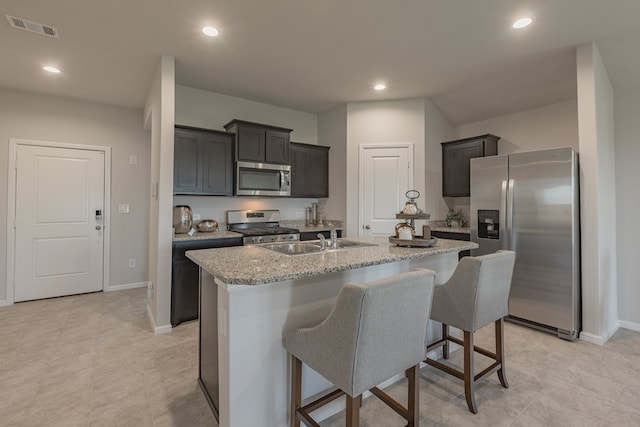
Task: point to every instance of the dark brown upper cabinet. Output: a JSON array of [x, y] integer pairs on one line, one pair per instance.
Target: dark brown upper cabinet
[[202, 162], [456, 160], [309, 170], [260, 143]]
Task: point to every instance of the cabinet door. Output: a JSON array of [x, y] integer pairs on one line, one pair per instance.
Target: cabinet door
[[217, 168], [456, 160], [187, 168], [298, 157], [277, 147], [184, 291], [309, 170], [318, 175], [251, 142]]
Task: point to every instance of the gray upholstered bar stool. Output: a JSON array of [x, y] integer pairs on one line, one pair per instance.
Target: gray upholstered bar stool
[[476, 295], [374, 331]]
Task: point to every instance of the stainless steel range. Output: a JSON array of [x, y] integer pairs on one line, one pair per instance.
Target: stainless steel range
[[260, 226]]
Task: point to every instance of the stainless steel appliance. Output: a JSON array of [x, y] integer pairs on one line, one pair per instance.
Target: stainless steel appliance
[[262, 179], [528, 202], [260, 226]]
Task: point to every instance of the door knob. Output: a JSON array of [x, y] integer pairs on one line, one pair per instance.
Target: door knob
[[98, 227], [368, 227]]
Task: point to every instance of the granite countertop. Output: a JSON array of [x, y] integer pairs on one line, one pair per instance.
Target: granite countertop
[[315, 228], [218, 234], [445, 229], [254, 265], [301, 225]]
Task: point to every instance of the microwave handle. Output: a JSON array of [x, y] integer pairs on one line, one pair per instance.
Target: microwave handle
[[284, 180]]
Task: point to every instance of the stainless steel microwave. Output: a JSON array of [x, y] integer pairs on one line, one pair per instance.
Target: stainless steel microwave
[[262, 179]]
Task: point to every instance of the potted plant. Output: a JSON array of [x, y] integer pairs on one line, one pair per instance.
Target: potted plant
[[455, 219]]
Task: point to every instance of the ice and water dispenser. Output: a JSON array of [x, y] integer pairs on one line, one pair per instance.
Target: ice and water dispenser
[[488, 224]]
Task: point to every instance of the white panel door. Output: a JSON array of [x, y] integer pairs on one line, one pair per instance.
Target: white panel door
[[386, 173], [59, 236]]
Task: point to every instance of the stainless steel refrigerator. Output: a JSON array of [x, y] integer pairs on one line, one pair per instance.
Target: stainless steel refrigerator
[[528, 202]]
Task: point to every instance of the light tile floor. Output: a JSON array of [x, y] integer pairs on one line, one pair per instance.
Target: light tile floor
[[92, 360]]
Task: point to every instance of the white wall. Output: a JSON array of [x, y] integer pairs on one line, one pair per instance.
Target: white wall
[[627, 129], [598, 196], [398, 121], [551, 126], [332, 132], [159, 117], [437, 129], [210, 110], [40, 117]]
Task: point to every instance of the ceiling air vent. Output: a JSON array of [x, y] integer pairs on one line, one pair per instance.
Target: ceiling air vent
[[34, 27]]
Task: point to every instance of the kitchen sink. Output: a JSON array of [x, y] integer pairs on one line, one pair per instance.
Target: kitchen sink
[[312, 247], [297, 248]]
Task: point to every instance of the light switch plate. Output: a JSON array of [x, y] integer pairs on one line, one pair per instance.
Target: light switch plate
[[123, 208]]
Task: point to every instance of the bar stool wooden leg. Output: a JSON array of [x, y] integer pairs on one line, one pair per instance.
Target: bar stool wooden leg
[[296, 389], [469, 380], [502, 376], [353, 410], [413, 398], [445, 337]]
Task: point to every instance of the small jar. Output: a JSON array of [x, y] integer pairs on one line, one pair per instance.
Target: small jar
[[308, 216]]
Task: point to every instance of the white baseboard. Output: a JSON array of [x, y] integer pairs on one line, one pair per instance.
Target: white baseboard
[[157, 330], [601, 340], [4, 302], [127, 286], [630, 325], [593, 339]]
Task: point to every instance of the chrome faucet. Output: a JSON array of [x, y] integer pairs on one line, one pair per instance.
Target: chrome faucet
[[323, 241], [333, 234]]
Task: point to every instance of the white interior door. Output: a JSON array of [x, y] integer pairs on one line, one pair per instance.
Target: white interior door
[[58, 222], [386, 173]]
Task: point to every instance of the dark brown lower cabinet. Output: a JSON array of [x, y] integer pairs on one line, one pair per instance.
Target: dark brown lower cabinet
[[313, 235], [185, 277], [208, 366], [453, 236]]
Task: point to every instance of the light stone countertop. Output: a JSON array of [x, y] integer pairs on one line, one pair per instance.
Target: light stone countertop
[[445, 229], [254, 265], [316, 228], [218, 234]]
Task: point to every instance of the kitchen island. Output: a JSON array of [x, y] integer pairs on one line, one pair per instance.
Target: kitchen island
[[250, 296]]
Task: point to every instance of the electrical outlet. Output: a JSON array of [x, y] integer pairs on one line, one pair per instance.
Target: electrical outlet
[[133, 160], [300, 215], [132, 263], [123, 208], [196, 217]]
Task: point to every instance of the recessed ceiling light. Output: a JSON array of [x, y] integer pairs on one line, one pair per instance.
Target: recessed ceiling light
[[210, 31], [51, 69], [380, 86], [522, 22]]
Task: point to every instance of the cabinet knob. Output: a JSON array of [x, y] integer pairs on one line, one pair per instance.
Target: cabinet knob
[[367, 227]]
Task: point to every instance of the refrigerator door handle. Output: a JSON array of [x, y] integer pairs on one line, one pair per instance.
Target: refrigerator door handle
[[509, 209], [503, 217]]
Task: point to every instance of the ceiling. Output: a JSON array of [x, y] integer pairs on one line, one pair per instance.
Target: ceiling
[[314, 55]]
